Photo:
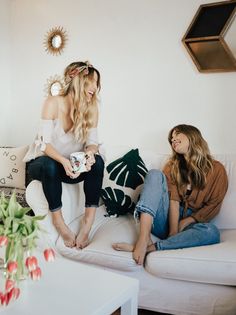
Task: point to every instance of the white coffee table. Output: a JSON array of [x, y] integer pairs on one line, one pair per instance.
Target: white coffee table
[[72, 288]]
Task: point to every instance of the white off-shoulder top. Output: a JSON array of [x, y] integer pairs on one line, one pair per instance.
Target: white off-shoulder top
[[51, 131]]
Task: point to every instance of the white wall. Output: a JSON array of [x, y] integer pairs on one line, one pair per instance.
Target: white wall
[[5, 70], [149, 82]]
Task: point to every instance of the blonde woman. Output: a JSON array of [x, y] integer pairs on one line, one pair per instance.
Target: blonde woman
[[69, 124], [176, 205]]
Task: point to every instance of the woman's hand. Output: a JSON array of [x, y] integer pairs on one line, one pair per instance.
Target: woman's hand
[[185, 222], [173, 217], [90, 160], [172, 233], [69, 169]]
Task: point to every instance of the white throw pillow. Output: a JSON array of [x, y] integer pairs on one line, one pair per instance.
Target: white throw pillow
[[12, 168]]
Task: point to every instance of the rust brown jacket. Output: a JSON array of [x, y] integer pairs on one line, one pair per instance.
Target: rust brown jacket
[[204, 203]]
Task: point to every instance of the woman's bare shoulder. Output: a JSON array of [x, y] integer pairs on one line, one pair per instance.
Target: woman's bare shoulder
[[50, 107]]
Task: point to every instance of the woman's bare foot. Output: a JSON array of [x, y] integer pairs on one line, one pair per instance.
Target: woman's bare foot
[[82, 237], [142, 248], [139, 250], [123, 247], [151, 248], [67, 235]]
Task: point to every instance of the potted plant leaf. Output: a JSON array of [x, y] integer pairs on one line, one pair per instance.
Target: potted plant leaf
[[18, 236]]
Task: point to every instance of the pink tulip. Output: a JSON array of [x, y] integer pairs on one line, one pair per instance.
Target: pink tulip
[[9, 284], [36, 274], [12, 267], [10, 294], [4, 299], [3, 240], [49, 254], [31, 263], [15, 293]]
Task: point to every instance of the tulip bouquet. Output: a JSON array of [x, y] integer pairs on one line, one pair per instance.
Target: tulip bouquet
[[18, 236]]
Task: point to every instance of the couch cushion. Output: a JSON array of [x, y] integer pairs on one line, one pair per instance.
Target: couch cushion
[[214, 264], [105, 231]]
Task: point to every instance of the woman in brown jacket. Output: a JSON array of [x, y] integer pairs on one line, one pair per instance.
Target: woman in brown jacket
[[177, 204]]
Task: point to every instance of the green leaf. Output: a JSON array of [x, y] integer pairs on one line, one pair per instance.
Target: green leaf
[[1, 213], [7, 251], [4, 210], [8, 222], [38, 217], [29, 229], [20, 259], [21, 212], [3, 200], [10, 253], [2, 229], [23, 230], [15, 225], [13, 205]]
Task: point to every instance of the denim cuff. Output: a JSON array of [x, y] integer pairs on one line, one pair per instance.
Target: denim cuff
[[158, 245], [56, 209], [141, 209], [91, 206]]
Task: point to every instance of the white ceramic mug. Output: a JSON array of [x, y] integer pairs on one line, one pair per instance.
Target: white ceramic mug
[[78, 162]]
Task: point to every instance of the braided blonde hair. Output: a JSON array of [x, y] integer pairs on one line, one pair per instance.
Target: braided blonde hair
[[83, 113]]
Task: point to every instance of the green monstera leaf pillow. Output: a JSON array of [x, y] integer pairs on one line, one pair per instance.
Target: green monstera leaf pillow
[[123, 181]]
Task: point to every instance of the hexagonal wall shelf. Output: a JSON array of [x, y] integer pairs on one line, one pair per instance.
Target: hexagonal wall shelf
[[211, 37]]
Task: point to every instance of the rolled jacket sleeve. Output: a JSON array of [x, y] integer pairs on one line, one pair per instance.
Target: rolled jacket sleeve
[[217, 185]]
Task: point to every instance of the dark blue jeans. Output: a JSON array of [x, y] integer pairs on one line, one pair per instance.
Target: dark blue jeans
[[51, 173]]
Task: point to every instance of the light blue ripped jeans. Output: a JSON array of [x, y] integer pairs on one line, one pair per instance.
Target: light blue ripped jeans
[[154, 200]]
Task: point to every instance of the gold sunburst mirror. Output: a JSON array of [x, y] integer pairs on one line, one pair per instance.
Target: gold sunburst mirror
[[55, 40], [54, 85]]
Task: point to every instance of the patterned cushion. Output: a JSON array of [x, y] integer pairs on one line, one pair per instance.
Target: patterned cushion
[[123, 181], [20, 194], [12, 168]]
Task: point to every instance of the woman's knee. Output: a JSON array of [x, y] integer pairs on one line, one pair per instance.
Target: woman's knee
[[211, 232], [214, 233], [41, 167], [155, 176], [50, 168], [98, 166]]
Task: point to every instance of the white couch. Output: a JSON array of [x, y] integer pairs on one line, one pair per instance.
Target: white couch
[[200, 280]]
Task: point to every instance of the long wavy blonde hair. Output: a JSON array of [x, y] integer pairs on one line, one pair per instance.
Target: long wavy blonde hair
[[83, 113], [193, 168]]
